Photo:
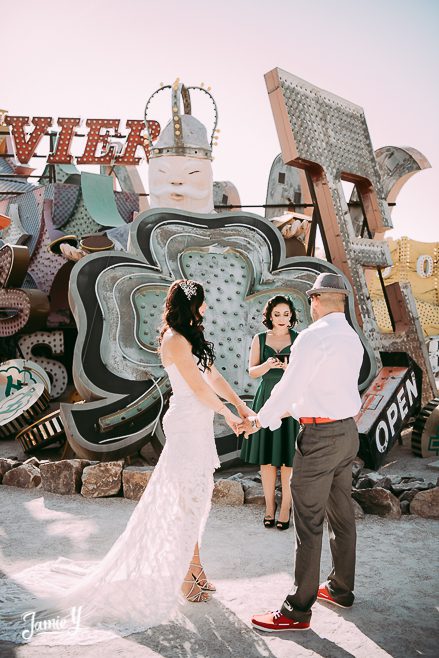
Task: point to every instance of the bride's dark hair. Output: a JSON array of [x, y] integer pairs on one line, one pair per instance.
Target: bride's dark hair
[[182, 313]]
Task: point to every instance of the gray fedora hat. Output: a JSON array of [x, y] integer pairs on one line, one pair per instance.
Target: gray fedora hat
[[328, 282]]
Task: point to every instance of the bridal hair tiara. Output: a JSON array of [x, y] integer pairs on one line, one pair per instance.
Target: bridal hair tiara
[[189, 288]]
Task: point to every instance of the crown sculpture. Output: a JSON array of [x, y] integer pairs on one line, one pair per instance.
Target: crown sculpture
[[183, 135]]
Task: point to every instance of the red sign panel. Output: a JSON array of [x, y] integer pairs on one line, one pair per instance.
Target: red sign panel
[[98, 148]]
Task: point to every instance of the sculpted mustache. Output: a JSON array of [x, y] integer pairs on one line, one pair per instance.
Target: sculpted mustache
[[185, 190]]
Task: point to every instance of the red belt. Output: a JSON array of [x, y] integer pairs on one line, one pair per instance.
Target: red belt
[[308, 421]]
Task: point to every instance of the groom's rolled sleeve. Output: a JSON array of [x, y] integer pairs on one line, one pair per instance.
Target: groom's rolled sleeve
[[278, 404], [290, 388]]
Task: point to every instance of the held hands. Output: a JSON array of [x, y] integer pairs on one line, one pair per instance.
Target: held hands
[[247, 422], [233, 421], [249, 425], [243, 410]]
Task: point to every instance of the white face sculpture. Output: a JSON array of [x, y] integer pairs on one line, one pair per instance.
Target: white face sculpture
[[181, 182]]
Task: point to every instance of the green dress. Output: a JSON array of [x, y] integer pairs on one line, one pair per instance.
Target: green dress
[[267, 447]]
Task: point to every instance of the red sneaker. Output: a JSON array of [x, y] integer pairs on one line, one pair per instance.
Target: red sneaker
[[324, 595], [273, 622]]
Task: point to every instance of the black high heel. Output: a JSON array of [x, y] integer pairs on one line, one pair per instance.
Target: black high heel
[[284, 525], [268, 521]]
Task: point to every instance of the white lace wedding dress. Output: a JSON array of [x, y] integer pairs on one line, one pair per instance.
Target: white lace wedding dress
[[137, 584]]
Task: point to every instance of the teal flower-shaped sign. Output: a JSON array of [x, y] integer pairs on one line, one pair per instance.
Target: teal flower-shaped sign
[[117, 300]]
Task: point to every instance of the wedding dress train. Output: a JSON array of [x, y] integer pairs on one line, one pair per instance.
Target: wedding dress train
[[137, 584]]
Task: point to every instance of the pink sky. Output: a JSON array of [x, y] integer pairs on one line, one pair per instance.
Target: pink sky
[[103, 58]]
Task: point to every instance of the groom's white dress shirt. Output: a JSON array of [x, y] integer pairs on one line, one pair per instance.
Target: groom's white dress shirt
[[321, 379]]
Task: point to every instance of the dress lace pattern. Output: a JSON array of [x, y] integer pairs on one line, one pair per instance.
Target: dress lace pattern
[[137, 583]]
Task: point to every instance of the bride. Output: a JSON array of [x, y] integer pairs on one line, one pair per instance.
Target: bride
[[155, 561]]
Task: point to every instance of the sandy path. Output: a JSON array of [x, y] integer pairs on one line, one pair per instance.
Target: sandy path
[[397, 582]]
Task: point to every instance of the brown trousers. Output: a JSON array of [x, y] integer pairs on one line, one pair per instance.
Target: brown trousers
[[321, 484]]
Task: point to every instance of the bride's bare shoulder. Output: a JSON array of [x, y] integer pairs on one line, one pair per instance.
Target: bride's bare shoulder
[[173, 341]]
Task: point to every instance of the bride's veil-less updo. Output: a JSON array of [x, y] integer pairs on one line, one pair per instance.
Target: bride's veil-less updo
[[182, 313]]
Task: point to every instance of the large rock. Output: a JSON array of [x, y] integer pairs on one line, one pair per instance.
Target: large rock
[[247, 483], [26, 476], [364, 483], [228, 492], [134, 480], [100, 480], [378, 501], [376, 476], [254, 495], [373, 479], [358, 510], [236, 476], [408, 496], [414, 485], [64, 476], [384, 483], [426, 504], [401, 479], [6, 465]]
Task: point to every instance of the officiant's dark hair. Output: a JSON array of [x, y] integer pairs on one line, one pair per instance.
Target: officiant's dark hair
[[181, 311], [271, 304]]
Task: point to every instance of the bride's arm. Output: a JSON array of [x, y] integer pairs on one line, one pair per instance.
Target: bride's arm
[[223, 388], [179, 351]]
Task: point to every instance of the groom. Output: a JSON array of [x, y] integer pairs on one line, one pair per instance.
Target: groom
[[319, 387]]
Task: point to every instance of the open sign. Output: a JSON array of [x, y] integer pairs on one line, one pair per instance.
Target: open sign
[[392, 399]]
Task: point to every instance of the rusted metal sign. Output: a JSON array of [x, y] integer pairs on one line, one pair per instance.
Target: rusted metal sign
[[327, 136], [392, 399]]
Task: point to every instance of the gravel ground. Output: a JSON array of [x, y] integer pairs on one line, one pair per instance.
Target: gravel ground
[[395, 613]]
